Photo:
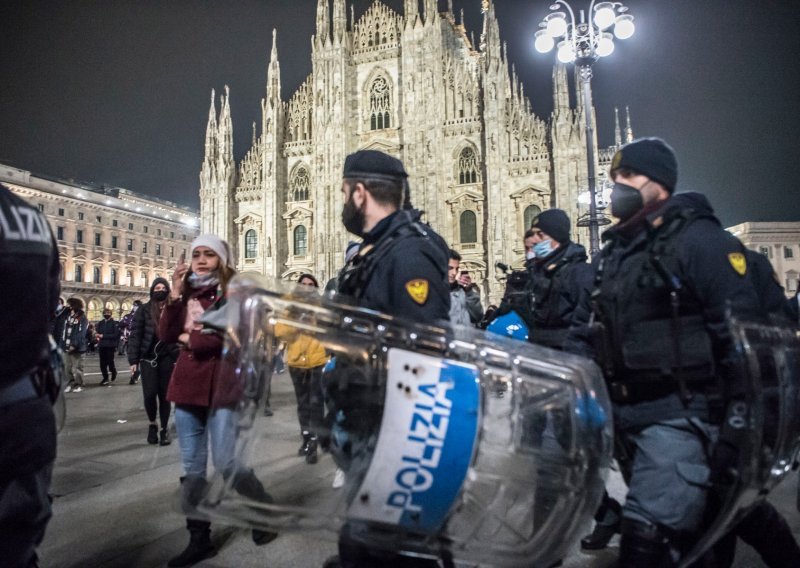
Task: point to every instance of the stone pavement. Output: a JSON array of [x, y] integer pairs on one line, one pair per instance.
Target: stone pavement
[[115, 495]]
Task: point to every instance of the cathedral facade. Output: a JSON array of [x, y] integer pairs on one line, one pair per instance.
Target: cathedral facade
[[414, 85]]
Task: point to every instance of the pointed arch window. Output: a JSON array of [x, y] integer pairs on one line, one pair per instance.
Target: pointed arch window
[[300, 185], [468, 227], [467, 166], [380, 104], [250, 244], [300, 240], [531, 211]]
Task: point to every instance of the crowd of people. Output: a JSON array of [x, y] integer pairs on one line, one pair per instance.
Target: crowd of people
[[667, 265]]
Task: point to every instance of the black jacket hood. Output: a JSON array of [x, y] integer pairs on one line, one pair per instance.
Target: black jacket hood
[[158, 281]]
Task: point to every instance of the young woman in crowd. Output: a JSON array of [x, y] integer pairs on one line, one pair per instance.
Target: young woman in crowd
[[205, 396], [154, 360], [305, 357]]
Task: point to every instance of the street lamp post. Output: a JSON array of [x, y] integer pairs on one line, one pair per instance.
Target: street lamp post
[[583, 43]]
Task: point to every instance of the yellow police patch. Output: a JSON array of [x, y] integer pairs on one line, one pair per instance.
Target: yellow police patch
[[738, 263], [418, 290]]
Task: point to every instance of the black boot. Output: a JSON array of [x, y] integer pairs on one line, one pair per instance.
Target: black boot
[[152, 434], [608, 518], [246, 483], [199, 547], [164, 438], [311, 454], [303, 451], [643, 545]]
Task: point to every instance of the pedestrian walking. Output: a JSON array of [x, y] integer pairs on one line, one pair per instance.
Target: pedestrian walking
[[155, 360], [204, 394], [306, 357], [74, 344], [107, 334], [29, 277]]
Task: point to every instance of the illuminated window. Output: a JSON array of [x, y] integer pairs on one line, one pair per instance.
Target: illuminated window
[[531, 211], [300, 241], [380, 104], [468, 227], [250, 244], [467, 166], [299, 185]]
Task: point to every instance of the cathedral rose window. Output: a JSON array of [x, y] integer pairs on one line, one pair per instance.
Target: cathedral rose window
[[467, 166], [300, 185], [379, 104]]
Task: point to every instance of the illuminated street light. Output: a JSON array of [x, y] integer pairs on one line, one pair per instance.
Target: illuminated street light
[[582, 43]]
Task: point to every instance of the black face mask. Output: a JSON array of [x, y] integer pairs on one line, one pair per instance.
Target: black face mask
[[160, 296], [353, 218], [625, 201], [107, 316]]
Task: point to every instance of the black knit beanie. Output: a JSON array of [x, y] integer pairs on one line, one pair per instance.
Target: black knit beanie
[[554, 222], [651, 157]]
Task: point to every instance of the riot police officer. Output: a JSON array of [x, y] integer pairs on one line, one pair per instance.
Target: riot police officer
[[400, 270], [401, 267], [655, 322], [29, 277]]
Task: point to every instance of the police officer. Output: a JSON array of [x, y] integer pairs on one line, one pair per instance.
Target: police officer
[[655, 322], [400, 270], [401, 267], [29, 278]]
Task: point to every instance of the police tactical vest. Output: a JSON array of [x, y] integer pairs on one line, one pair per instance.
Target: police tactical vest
[[649, 322]]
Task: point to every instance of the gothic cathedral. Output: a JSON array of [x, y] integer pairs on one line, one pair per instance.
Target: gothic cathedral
[[481, 164]]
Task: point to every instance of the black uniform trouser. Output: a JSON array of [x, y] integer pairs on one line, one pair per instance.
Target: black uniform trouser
[[155, 381], [308, 389], [27, 436], [107, 362]]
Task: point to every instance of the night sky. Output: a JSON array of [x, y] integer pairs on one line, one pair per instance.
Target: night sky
[[117, 91]]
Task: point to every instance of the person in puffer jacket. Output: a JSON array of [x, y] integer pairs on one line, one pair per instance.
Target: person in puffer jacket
[[154, 360], [306, 357]]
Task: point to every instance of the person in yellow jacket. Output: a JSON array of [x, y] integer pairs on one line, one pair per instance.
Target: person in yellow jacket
[[305, 357]]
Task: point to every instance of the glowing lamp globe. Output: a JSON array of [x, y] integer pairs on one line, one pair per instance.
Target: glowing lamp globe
[[556, 24], [604, 15], [624, 27], [605, 45], [544, 42]]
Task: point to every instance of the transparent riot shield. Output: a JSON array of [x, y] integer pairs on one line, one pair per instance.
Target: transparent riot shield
[[770, 415], [453, 443]]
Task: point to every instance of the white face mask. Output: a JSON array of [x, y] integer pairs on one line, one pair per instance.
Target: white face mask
[[530, 254]]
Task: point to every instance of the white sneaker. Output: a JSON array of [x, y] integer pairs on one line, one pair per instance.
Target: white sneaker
[[338, 478], [68, 389], [77, 389]]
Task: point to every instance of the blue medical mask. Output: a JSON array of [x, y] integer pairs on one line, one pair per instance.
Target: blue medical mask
[[543, 248], [530, 255]]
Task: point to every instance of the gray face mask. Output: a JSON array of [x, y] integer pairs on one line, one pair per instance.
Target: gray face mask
[[625, 201]]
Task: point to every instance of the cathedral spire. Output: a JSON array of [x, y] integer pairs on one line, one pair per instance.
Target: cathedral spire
[[430, 11], [490, 36], [560, 89], [274, 72], [211, 131], [323, 21], [339, 20], [617, 132], [628, 129], [225, 129], [411, 11]]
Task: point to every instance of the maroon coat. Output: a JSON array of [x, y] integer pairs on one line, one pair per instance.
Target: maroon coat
[[200, 376]]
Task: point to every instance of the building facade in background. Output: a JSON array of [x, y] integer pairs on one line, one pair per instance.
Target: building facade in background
[[482, 165], [112, 242], [778, 241]]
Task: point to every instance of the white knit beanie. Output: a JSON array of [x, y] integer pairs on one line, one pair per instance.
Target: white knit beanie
[[217, 245]]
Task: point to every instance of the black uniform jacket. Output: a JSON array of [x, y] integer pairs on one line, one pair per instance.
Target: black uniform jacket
[[401, 270], [29, 278], [707, 265], [557, 283]]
